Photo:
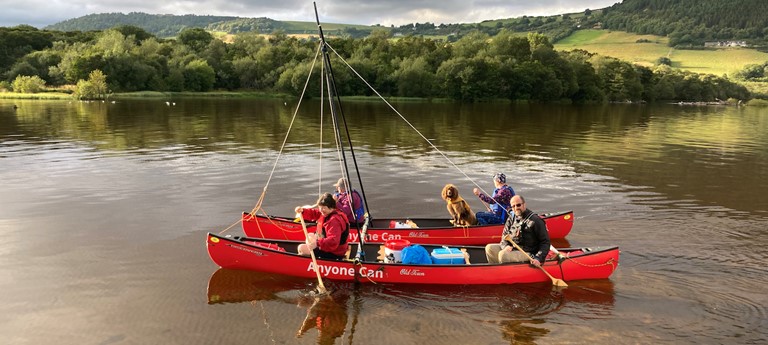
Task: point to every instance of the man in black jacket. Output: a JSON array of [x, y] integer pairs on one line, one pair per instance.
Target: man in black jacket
[[527, 230]]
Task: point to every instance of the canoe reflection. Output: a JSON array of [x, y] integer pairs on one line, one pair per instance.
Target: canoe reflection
[[326, 313], [519, 310], [233, 286], [561, 243]]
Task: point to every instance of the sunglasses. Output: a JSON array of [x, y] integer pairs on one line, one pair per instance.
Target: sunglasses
[[517, 205]]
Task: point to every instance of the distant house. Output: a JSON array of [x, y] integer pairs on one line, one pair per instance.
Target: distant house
[[725, 44]]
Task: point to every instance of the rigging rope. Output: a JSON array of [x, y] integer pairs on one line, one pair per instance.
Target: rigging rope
[[285, 140], [403, 117]]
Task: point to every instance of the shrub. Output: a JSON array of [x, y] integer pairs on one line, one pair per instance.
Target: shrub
[[664, 61], [93, 88], [27, 84]]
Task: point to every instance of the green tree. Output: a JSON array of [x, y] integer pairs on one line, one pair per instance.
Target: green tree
[[28, 84], [195, 38], [93, 88], [622, 83], [471, 45], [198, 76], [414, 78], [507, 47]]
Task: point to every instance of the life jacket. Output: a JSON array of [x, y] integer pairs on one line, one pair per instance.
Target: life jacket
[[499, 209], [344, 220], [351, 198], [359, 209]]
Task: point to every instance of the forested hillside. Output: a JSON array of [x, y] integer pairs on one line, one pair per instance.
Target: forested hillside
[[691, 22], [688, 23], [167, 25], [161, 25]]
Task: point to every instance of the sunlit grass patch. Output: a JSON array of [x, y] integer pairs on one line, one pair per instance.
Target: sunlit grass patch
[[645, 50]]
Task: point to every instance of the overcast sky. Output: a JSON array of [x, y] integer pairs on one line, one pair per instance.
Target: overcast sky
[[40, 13]]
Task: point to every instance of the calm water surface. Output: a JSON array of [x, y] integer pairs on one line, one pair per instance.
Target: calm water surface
[[104, 209]]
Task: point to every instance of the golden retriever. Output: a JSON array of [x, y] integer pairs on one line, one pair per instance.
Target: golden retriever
[[459, 209]]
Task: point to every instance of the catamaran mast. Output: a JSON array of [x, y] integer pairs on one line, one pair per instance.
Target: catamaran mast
[[337, 129]]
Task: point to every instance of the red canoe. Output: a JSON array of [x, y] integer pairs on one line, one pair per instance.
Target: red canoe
[[279, 257], [429, 231]]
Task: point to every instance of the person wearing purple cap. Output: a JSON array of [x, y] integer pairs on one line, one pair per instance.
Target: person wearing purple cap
[[498, 203]]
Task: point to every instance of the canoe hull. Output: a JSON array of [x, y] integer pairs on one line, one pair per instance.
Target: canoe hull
[[246, 254], [429, 230]]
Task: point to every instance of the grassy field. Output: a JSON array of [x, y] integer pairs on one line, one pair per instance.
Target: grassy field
[[41, 95], [625, 46]]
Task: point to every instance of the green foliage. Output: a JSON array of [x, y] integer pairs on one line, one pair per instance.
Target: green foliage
[[28, 84], [664, 61], [195, 38], [165, 25], [93, 88], [160, 25], [18, 41], [198, 76], [476, 67], [754, 72], [690, 22]]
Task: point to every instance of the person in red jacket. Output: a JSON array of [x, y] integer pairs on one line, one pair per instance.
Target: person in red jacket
[[330, 241]]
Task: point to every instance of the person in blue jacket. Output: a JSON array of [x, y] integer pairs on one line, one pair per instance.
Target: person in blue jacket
[[498, 203]]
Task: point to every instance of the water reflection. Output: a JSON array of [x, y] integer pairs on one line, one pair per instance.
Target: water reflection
[[326, 313], [680, 189], [519, 311], [658, 146]]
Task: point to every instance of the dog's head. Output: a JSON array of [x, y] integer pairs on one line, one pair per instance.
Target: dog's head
[[450, 192]]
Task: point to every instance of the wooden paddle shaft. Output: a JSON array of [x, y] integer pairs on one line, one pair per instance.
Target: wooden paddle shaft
[[321, 286]]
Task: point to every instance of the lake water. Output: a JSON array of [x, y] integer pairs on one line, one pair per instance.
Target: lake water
[[104, 209]]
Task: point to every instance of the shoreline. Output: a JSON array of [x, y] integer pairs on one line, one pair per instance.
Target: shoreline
[[284, 96]]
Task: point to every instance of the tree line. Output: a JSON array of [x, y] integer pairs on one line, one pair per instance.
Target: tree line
[[476, 67]]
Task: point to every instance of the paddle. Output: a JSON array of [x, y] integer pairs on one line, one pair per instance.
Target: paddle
[[320, 288], [555, 281]]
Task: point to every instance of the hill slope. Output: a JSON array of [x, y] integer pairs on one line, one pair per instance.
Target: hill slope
[[647, 49], [691, 22], [167, 25], [162, 25]]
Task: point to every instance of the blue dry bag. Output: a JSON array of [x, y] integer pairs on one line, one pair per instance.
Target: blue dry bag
[[416, 254]]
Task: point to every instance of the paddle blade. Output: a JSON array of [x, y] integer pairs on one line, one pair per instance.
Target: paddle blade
[[321, 290], [559, 282]]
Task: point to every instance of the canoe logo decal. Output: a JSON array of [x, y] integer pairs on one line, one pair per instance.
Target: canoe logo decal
[[327, 270], [247, 249], [567, 216], [214, 240], [411, 272]]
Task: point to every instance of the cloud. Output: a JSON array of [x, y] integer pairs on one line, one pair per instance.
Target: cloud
[[387, 12]]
